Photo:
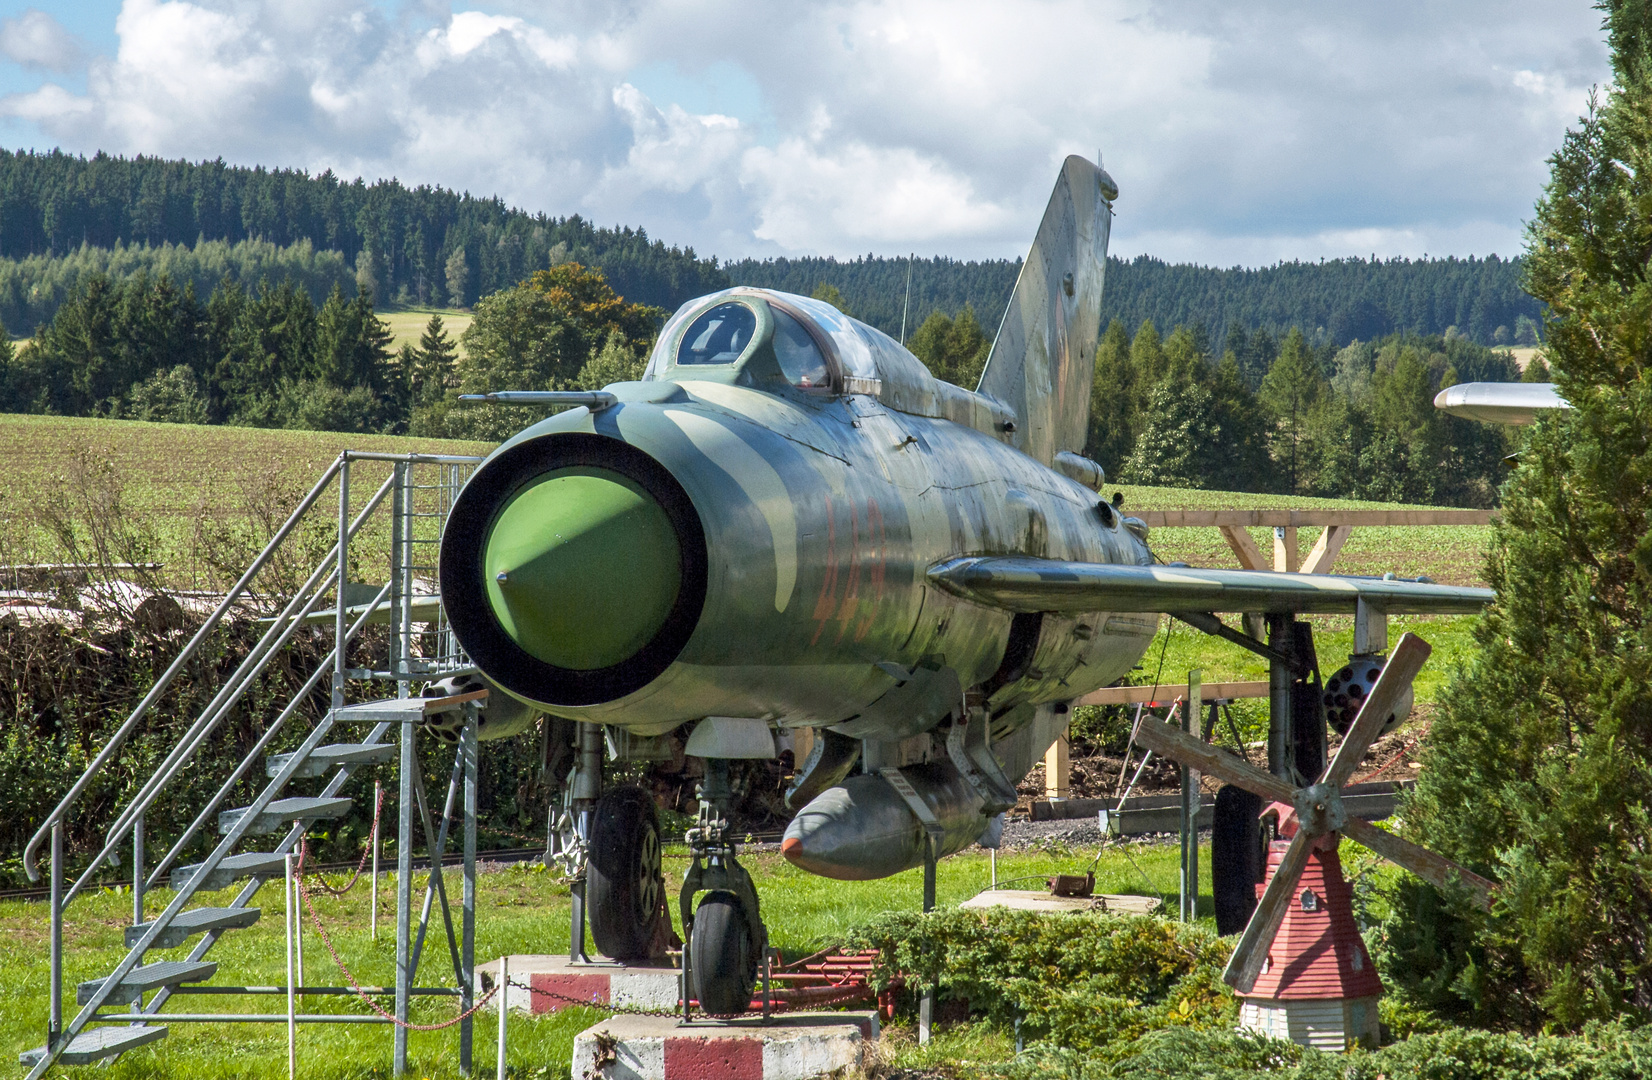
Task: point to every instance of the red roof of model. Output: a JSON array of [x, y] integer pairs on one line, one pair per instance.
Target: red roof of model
[[1318, 953]]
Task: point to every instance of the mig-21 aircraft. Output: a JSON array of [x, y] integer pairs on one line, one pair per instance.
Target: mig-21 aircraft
[[789, 523]]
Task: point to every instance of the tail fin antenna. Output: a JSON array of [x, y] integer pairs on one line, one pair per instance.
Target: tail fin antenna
[[1043, 360]]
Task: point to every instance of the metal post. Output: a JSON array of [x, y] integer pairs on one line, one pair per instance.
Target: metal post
[[298, 933], [504, 1010], [467, 946], [137, 870], [992, 860], [137, 886], [292, 1000], [404, 894], [1191, 717], [373, 886], [1280, 676], [926, 1004], [340, 616], [54, 1023]]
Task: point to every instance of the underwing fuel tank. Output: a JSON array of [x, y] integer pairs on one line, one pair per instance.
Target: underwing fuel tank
[[863, 829]]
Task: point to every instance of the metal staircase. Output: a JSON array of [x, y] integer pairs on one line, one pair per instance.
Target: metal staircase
[[419, 490]]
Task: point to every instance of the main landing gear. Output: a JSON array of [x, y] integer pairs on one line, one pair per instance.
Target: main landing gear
[[608, 844]]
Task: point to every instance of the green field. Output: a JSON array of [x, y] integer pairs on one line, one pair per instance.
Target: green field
[[520, 910], [408, 323], [192, 497]]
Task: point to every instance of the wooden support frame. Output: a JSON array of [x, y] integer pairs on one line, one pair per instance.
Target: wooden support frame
[[1250, 556], [1326, 549], [1287, 557], [1058, 768]]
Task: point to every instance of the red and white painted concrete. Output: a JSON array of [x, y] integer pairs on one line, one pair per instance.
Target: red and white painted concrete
[[557, 983], [800, 1046]]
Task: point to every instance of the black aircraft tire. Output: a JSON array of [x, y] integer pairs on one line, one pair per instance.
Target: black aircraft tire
[[1238, 857], [724, 955], [624, 876]]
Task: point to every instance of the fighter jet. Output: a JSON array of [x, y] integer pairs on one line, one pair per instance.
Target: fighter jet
[[787, 523]]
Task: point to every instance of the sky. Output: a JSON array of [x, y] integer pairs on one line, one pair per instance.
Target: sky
[[1239, 134]]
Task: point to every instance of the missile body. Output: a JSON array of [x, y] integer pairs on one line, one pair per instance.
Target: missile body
[[863, 829]]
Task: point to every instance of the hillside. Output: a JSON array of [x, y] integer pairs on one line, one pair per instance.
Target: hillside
[[1335, 302], [63, 216]]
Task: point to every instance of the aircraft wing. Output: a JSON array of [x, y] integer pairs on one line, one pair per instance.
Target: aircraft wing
[[1029, 585], [1499, 403]]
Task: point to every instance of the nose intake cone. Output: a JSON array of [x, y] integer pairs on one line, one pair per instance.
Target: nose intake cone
[[582, 568]]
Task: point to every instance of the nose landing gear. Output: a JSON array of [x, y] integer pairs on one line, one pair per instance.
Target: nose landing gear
[[727, 941]]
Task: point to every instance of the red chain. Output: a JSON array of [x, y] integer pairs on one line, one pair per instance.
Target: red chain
[[326, 939], [366, 851]]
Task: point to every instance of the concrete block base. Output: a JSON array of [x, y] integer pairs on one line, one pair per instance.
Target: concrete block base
[[1026, 900], [792, 1046], [557, 984]]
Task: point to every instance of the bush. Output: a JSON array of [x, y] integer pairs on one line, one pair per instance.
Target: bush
[[1085, 982]]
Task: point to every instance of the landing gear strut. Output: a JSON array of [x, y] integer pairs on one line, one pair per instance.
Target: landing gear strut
[[727, 941]]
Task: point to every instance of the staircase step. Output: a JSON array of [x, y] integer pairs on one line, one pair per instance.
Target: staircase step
[[190, 923], [265, 864], [323, 758], [281, 811], [148, 977], [95, 1044]]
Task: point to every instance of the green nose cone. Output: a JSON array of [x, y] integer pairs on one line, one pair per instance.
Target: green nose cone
[[582, 568]]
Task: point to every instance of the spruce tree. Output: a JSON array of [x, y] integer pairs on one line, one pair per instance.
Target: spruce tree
[[1538, 770]]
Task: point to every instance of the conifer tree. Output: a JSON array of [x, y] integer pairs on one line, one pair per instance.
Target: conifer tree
[[1538, 770], [1291, 392], [1112, 394], [433, 366]]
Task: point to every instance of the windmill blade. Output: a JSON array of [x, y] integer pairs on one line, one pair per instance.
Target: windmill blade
[[1435, 869], [1403, 664], [1252, 951], [1179, 746]]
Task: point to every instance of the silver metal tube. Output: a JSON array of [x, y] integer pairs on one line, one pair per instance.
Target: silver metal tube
[[342, 577], [503, 995], [292, 1002], [373, 917], [467, 945], [404, 892], [137, 870], [178, 664], [54, 1023]]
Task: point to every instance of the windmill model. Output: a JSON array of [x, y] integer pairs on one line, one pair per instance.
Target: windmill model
[[1300, 968]]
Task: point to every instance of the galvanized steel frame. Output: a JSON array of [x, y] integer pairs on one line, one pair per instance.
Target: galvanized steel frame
[[330, 575]]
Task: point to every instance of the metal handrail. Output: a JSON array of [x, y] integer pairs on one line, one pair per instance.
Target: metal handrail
[[230, 693], [309, 687], [177, 665]]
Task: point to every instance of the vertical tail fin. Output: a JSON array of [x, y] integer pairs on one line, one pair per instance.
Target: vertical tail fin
[[1044, 357]]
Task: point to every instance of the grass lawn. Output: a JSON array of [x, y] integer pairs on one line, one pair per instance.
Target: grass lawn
[[408, 323], [520, 910], [160, 481]]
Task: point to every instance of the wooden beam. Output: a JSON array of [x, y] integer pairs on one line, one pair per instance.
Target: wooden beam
[[1287, 557], [1303, 518], [1058, 769], [1250, 556], [1164, 695], [1325, 550]]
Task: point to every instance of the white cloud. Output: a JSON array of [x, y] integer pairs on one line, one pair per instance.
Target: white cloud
[[36, 40], [1248, 132]]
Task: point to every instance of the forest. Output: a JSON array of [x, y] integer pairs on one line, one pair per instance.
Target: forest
[[63, 216], [1259, 412]]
